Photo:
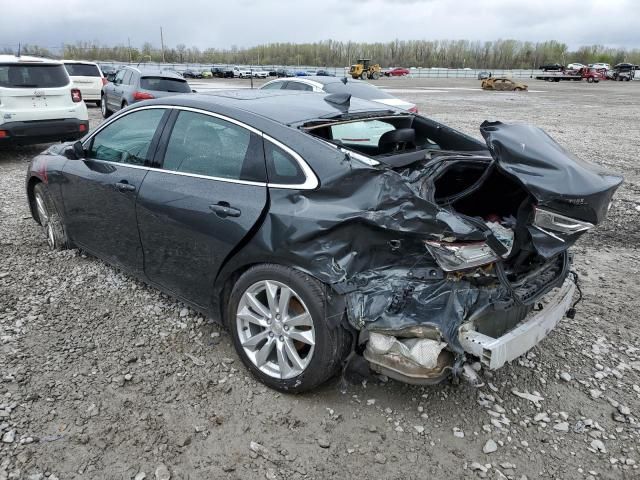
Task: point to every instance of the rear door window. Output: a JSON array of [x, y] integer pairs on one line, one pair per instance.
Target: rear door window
[[127, 139], [33, 76], [164, 84], [82, 70], [205, 145], [127, 78]]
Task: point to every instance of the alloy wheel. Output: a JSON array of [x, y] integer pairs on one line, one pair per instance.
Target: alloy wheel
[[43, 216], [275, 329], [103, 106]]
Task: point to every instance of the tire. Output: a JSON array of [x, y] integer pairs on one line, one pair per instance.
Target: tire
[[589, 79], [124, 104], [98, 103], [104, 109], [375, 76], [49, 218], [261, 339], [363, 76]]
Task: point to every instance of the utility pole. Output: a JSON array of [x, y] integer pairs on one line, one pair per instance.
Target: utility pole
[[162, 44]]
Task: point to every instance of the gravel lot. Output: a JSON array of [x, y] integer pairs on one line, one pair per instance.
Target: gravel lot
[[103, 377]]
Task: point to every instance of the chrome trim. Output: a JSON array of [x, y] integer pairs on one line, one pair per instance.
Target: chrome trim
[[311, 180]]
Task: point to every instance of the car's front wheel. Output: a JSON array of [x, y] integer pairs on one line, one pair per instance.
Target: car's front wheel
[[104, 109], [277, 318], [49, 219]]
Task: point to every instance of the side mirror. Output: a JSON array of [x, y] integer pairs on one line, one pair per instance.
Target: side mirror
[[75, 151]]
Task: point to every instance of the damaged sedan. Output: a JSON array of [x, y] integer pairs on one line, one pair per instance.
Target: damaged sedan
[[323, 228]]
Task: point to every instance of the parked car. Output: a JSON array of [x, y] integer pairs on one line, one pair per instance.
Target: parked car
[[241, 72], [133, 85], [324, 73], [575, 66], [483, 75], [259, 73], [87, 77], [600, 65], [191, 74], [256, 207], [206, 74], [396, 72], [38, 102], [624, 71], [551, 67], [356, 88], [503, 84], [285, 72], [222, 72], [302, 73]]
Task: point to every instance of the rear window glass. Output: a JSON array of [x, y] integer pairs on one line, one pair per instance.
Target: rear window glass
[[163, 84], [82, 70], [357, 89], [32, 76], [366, 132]]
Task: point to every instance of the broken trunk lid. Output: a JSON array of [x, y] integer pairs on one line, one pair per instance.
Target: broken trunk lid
[[554, 177]]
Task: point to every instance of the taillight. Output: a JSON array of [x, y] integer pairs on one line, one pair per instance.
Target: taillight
[[76, 96], [413, 109], [142, 96], [82, 128], [3, 134], [104, 81]]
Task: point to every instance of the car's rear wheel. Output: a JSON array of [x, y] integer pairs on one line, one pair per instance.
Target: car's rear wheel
[[277, 318], [49, 219], [363, 76], [375, 75], [104, 109], [124, 104]]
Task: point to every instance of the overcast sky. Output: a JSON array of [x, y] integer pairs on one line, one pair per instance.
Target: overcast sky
[[221, 24]]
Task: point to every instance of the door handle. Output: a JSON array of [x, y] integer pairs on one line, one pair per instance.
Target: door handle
[[223, 210], [125, 186]]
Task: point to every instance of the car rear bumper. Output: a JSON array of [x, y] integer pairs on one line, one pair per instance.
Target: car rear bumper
[[42, 131], [495, 352]]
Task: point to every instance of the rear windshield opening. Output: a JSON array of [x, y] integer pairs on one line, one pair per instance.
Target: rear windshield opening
[[32, 76], [357, 89], [163, 84], [82, 70], [386, 137]]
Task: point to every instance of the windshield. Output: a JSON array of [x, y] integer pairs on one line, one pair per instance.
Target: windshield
[[82, 70], [357, 89], [164, 84], [32, 76]]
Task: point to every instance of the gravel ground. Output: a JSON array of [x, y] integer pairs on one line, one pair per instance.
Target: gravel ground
[[103, 377]]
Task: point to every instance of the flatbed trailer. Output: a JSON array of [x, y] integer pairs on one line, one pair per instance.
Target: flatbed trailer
[[557, 76]]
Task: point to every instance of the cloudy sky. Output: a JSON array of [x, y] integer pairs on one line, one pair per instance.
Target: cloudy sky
[[221, 24]]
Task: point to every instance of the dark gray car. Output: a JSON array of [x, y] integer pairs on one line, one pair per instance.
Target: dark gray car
[[420, 249], [132, 85]]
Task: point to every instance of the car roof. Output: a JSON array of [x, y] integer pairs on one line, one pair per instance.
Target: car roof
[[27, 59], [288, 107], [156, 72]]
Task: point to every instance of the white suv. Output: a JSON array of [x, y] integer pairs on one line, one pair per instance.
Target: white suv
[[88, 77], [38, 103]]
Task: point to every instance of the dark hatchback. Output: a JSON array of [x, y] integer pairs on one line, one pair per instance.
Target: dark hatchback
[[420, 249]]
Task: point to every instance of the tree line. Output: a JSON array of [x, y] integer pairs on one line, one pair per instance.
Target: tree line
[[497, 54]]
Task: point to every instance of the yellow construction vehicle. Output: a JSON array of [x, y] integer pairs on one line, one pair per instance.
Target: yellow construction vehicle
[[364, 70]]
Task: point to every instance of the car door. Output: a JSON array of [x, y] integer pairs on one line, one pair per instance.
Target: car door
[[115, 91], [208, 193], [100, 191]]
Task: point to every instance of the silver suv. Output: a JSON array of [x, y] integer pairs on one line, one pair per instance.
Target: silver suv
[[133, 85]]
